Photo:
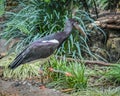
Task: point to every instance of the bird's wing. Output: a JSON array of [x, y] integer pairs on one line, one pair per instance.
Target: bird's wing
[[36, 50]]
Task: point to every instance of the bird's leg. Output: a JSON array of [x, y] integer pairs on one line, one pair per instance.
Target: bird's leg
[[49, 63], [41, 72]]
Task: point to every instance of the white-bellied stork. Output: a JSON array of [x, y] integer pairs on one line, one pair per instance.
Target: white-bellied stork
[[43, 47]]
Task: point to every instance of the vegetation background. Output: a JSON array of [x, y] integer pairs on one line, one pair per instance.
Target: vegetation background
[[28, 20]]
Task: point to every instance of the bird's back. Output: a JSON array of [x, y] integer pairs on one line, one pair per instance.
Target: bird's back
[[36, 50]]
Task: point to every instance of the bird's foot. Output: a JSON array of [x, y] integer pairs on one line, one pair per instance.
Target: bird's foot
[[42, 86], [41, 73]]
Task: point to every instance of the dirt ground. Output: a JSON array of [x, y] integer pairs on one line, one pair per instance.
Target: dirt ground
[[25, 88], [28, 87]]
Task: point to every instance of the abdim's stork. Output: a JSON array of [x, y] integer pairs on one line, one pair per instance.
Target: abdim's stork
[[43, 47]]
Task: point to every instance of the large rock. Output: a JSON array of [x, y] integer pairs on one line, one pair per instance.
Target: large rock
[[10, 88], [113, 46], [109, 48]]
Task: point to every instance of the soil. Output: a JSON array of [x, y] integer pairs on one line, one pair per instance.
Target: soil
[[31, 87]]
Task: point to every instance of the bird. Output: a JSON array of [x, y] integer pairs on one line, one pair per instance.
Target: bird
[[43, 47]]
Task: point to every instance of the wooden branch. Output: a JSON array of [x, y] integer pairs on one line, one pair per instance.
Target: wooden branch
[[115, 17], [107, 26], [87, 62], [104, 14], [100, 63], [66, 90], [110, 22]]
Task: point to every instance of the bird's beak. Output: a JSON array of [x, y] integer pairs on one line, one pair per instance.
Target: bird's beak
[[76, 25]]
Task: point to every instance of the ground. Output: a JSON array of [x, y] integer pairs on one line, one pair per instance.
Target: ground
[[25, 88]]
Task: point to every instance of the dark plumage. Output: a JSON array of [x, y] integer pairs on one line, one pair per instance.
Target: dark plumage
[[43, 47]]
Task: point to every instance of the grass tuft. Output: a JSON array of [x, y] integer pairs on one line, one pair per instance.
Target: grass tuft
[[113, 74], [99, 92], [21, 72], [67, 75]]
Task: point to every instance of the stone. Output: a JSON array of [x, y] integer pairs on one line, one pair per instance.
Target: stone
[[113, 46]]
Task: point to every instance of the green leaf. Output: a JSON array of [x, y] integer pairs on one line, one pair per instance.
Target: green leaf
[[47, 1], [2, 7]]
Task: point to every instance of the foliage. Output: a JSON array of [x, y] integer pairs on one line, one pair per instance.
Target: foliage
[[101, 4], [113, 74], [2, 7], [22, 72], [67, 75], [98, 92]]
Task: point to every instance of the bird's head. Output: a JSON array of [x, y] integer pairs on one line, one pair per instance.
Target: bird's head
[[71, 21], [76, 25], [69, 24]]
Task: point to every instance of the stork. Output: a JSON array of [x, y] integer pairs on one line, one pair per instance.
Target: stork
[[43, 47]]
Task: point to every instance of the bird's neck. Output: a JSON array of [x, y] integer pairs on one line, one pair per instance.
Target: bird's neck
[[62, 36], [68, 28]]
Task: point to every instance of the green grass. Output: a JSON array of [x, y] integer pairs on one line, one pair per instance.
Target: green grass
[[59, 79], [113, 74], [2, 7], [22, 72], [99, 92]]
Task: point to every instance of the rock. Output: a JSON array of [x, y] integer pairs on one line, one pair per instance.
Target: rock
[[107, 48], [113, 46], [13, 88]]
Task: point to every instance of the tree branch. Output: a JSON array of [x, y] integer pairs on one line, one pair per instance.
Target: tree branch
[[110, 22], [87, 62]]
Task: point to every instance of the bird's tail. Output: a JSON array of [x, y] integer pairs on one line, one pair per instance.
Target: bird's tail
[[17, 62]]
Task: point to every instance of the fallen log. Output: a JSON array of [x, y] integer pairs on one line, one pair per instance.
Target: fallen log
[[104, 14], [107, 23], [106, 26], [107, 20]]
